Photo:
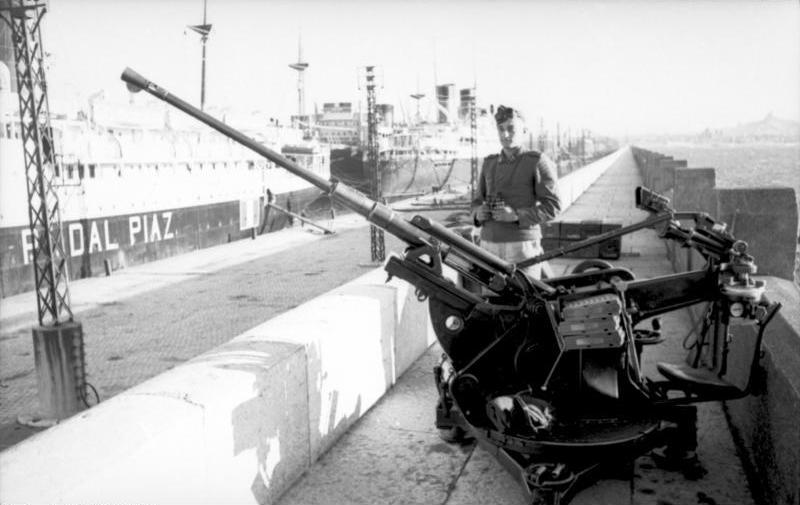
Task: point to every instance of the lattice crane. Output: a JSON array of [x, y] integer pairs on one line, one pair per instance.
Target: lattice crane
[[473, 144], [58, 341], [49, 261], [377, 242]]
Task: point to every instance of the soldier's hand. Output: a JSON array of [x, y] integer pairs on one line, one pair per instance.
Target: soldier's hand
[[505, 214], [483, 213]]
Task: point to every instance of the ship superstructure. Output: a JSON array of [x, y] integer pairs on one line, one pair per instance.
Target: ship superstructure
[[416, 154], [429, 151]]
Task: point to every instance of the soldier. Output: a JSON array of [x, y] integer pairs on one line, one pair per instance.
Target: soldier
[[516, 193]]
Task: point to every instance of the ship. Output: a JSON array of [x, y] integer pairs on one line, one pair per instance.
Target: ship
[[418, 155], [137, 183], [415, 155]]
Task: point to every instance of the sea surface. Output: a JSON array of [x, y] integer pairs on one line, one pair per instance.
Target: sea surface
[[743, 166]]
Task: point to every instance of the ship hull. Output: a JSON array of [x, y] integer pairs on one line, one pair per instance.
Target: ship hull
[[406, 176], [99, 245]]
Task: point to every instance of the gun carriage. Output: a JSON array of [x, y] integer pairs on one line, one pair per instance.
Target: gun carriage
[[547, 374]]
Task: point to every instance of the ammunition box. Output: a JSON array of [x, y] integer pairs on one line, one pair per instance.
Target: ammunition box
[[592, 251], [591, 228], [550, 244], [570, 231], [612, 248], [551, 229]]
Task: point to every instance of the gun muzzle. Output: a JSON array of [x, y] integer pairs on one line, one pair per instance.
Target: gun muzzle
[[649, 200], [133, 80]]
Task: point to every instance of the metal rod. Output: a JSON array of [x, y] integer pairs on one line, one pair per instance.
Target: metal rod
[[301, 218], [647, 223], [439, 231]]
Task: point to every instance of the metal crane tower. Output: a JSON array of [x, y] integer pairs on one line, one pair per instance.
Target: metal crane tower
[[58, 341], [49, 260], [473, 144], [377, 244]]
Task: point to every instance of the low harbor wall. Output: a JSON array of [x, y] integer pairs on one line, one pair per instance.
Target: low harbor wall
[[239, 423], [764, 425]]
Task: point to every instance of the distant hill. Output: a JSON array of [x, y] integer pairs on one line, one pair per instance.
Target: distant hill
[[768, 130], [769, 126]]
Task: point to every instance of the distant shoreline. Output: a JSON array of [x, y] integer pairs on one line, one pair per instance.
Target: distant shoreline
[[712, 144]]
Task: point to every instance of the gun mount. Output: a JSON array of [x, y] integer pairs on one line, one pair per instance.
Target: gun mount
[[547, 374]]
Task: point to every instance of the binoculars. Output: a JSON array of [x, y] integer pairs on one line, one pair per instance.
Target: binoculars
[[495, 202]]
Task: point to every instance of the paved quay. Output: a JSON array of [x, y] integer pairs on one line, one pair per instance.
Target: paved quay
[[393, 454]]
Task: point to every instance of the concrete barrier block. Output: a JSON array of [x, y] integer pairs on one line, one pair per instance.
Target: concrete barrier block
[[663, 177], [414, 332], [669, 162], [99, 454], [695, 190], [766, 218], [255, 425], [350, 361], [232, 422]]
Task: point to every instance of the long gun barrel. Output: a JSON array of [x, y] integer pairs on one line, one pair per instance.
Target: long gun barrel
[[463, 255]]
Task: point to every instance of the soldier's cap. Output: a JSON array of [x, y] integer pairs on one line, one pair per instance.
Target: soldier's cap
[[504, 113]]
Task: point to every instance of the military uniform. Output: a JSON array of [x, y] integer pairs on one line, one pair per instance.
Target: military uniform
[[526, 182]]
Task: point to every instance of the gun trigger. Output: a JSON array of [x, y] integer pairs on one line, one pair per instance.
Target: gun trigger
[[388, 278]]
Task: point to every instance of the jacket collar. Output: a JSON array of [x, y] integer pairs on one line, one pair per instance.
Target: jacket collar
[[514, 155]]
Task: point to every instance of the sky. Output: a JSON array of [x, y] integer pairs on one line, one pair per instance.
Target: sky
[[619, 67]]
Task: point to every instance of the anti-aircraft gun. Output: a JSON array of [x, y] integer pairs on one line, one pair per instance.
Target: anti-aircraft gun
[[547, 374]]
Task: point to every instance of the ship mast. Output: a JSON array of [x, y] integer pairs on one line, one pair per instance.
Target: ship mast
[[417, 97], [300, 66], [204, 30]]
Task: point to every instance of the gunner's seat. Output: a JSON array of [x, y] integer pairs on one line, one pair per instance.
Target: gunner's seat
[[700, 381]]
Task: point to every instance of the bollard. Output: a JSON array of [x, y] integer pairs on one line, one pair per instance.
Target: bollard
[[60, 373]]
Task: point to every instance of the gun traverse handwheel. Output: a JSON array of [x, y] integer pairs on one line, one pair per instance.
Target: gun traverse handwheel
[[586, 265]]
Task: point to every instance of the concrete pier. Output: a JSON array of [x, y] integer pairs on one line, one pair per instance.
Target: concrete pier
[[294, 412]]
